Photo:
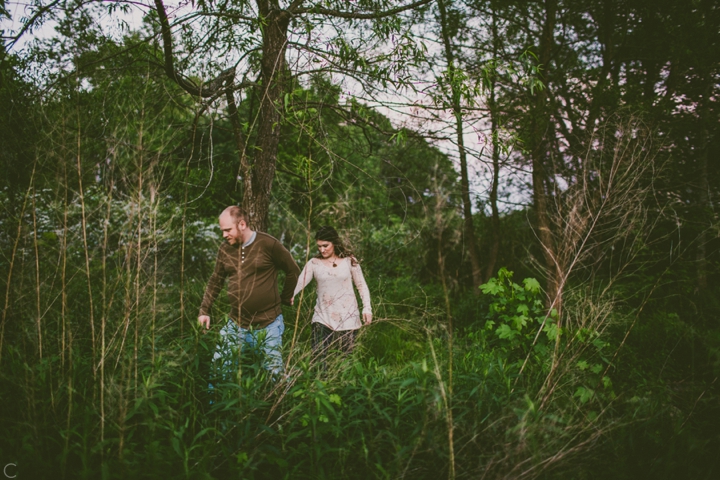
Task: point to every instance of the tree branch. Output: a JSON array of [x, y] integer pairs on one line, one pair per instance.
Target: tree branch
[[216, 85], [362, 16], [29, 23], [294, 6]]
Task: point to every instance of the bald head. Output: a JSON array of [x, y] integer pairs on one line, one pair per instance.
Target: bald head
[[233, 223], [236, 213]]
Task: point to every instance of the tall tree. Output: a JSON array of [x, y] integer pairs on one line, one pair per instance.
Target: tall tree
[[455, 82], [264, 32], [495, 115], [539, 144], [599, 60]]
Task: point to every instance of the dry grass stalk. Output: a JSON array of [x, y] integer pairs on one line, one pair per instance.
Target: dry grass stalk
[[11, 267]]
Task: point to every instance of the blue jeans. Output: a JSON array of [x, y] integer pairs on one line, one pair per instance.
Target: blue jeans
[[233, 336]]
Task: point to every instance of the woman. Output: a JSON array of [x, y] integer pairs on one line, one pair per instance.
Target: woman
[[336, 318]]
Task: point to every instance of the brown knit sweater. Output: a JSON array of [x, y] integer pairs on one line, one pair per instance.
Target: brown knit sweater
[[253, 287]]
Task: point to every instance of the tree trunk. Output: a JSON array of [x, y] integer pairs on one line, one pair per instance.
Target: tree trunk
[[495, 222], [273, 76], [258, 175], [703, 185], [469, 230], [539, 152], [495, 219]]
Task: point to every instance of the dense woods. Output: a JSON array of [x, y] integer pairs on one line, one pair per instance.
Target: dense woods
[[530, 187]]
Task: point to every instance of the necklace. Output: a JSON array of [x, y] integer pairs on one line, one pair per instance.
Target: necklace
[[333, 262]]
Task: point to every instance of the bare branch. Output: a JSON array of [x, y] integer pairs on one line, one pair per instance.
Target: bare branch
[[216, 85], [361, 16], [294, 6]]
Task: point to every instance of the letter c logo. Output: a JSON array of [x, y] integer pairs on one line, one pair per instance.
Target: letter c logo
[[5, 470]]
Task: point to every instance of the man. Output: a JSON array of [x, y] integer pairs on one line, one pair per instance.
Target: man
[[250, 260]]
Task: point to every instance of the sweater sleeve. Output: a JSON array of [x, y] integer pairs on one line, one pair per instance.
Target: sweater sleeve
[[215, 284], [284, 261], [362, 287], [306, 277]]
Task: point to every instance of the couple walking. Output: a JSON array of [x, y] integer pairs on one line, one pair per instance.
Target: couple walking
[[250, 261]]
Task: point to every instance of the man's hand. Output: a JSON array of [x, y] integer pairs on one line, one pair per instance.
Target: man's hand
[[367, 318], [292, 301], [204, 320]]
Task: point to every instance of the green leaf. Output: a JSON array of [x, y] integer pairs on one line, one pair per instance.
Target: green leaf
[[201, 433], [176, 445], [505, 274], [520, 321], [584, 394], [504, 331], [531, 285], [492, 287], [551, 330]]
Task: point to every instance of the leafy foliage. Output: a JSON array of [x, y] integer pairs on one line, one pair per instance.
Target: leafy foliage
[[516, 310]]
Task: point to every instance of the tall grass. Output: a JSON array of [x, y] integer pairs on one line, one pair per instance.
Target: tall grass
[[128, 397]]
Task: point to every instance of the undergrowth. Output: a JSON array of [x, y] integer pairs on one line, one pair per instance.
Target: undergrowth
[[524, 405]]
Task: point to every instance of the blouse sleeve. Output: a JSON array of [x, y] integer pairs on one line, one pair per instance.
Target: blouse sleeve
[[305, 277], [362, 287]]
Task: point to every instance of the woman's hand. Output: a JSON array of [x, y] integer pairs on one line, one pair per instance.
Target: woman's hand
[[367, 318]]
